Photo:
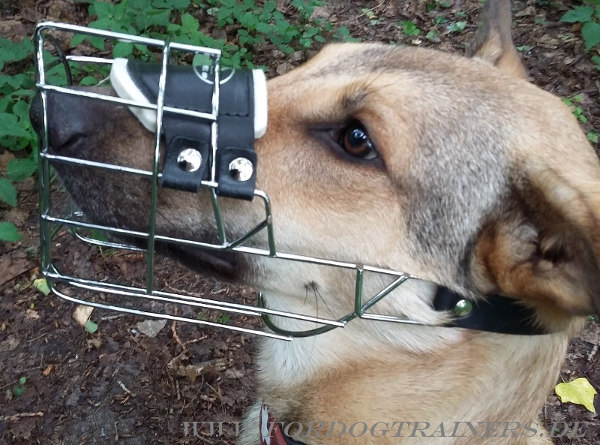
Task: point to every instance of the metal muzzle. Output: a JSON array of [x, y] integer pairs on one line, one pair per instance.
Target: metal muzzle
[[208, 129]]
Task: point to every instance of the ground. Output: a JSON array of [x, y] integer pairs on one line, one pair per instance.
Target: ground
[[123, 385]]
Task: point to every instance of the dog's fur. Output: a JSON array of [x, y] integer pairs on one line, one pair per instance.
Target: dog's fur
[[484, 183]]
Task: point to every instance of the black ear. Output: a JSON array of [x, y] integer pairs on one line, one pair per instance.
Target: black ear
[[493, 41]]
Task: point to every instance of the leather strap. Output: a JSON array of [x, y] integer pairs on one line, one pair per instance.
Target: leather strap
[[494, 314], [187, 88]]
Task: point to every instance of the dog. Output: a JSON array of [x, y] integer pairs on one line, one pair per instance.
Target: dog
[[456, 170]]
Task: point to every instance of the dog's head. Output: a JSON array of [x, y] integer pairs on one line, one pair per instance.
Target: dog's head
[[453, 169]]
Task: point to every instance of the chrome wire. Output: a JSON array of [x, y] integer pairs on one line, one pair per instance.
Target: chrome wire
[[75, 285]]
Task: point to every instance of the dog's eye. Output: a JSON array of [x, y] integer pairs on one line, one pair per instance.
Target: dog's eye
[[356, 142]]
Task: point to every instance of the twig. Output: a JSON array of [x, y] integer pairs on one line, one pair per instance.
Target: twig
[[112, 317], [175, 336], [122, 385], [16, 417]]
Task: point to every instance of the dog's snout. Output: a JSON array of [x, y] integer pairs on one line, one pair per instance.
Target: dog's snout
[[36, 113], [68, 117]]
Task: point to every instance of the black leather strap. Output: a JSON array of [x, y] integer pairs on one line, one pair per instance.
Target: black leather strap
[[495, 314], [187, 88]]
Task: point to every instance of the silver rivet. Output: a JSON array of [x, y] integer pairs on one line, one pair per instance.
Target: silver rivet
[[463, 307], [241, 169], [189, 160]]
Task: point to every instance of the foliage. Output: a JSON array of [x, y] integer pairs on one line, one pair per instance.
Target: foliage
[[253, 25], [588, 15], [19, 388], [250, 24], [409, 28], [574, 103], [16, 133], [370, 14]]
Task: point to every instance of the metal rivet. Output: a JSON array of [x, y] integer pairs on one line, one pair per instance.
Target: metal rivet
[[189, 160], [463, 307], [241, 169]]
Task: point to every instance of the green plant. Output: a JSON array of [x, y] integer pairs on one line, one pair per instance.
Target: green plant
[[432, 35], [409, 28], [574, 102], [457, 26], [248, 24], [370, 14], [16, 134], [588, 15], [434, 4], [223, 318], [19, 388], [523, 48]]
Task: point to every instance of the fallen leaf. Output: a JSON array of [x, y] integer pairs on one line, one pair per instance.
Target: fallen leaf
[[48, 370], [12, 266], [95, 341], [578, 391], [151, 328], [32, 314], [10, 344], [42, 285], [81, 314]]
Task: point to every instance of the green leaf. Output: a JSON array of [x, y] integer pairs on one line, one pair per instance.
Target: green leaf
[[8, 192], [14, 51], [580, 14], [591, 34], [19, 169], [264, 28], [90, 326], [18, 390], [592, 137], [457, 27], [42, 285], [180, 5], [9, 126], [409, 28], [122, 49], [432, 35], [22, 380], [189, 23], [8, 232], [88, 80], [578, 391]]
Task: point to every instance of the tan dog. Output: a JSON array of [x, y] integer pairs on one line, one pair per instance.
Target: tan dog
[[455, 170]]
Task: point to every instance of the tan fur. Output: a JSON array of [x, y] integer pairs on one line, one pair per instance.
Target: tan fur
[[484, 184]]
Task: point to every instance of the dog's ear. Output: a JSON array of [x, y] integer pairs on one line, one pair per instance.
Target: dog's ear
[[543, 245], [493, 41]]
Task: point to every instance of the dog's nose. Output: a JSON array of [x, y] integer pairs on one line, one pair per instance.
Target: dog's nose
[[68, 117]]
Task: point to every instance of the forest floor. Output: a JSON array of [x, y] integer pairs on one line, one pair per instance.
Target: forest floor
[[123, 384]]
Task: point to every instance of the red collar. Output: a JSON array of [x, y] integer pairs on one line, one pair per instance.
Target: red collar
[[271, 431]]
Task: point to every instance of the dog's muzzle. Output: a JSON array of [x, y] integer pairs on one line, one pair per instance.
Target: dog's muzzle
[[207, 119]]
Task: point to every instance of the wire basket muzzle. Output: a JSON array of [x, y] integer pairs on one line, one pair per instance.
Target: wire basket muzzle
[[204, 120]]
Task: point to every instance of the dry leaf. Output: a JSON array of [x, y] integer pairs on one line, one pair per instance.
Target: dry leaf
[[82, 314]]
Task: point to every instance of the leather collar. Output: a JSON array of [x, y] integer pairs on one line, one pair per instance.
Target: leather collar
[[494, 314]]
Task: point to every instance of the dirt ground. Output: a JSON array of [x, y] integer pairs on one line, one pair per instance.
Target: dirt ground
[[120, 385]]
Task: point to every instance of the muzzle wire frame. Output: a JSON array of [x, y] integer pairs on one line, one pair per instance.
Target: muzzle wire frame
[[50, 224]]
